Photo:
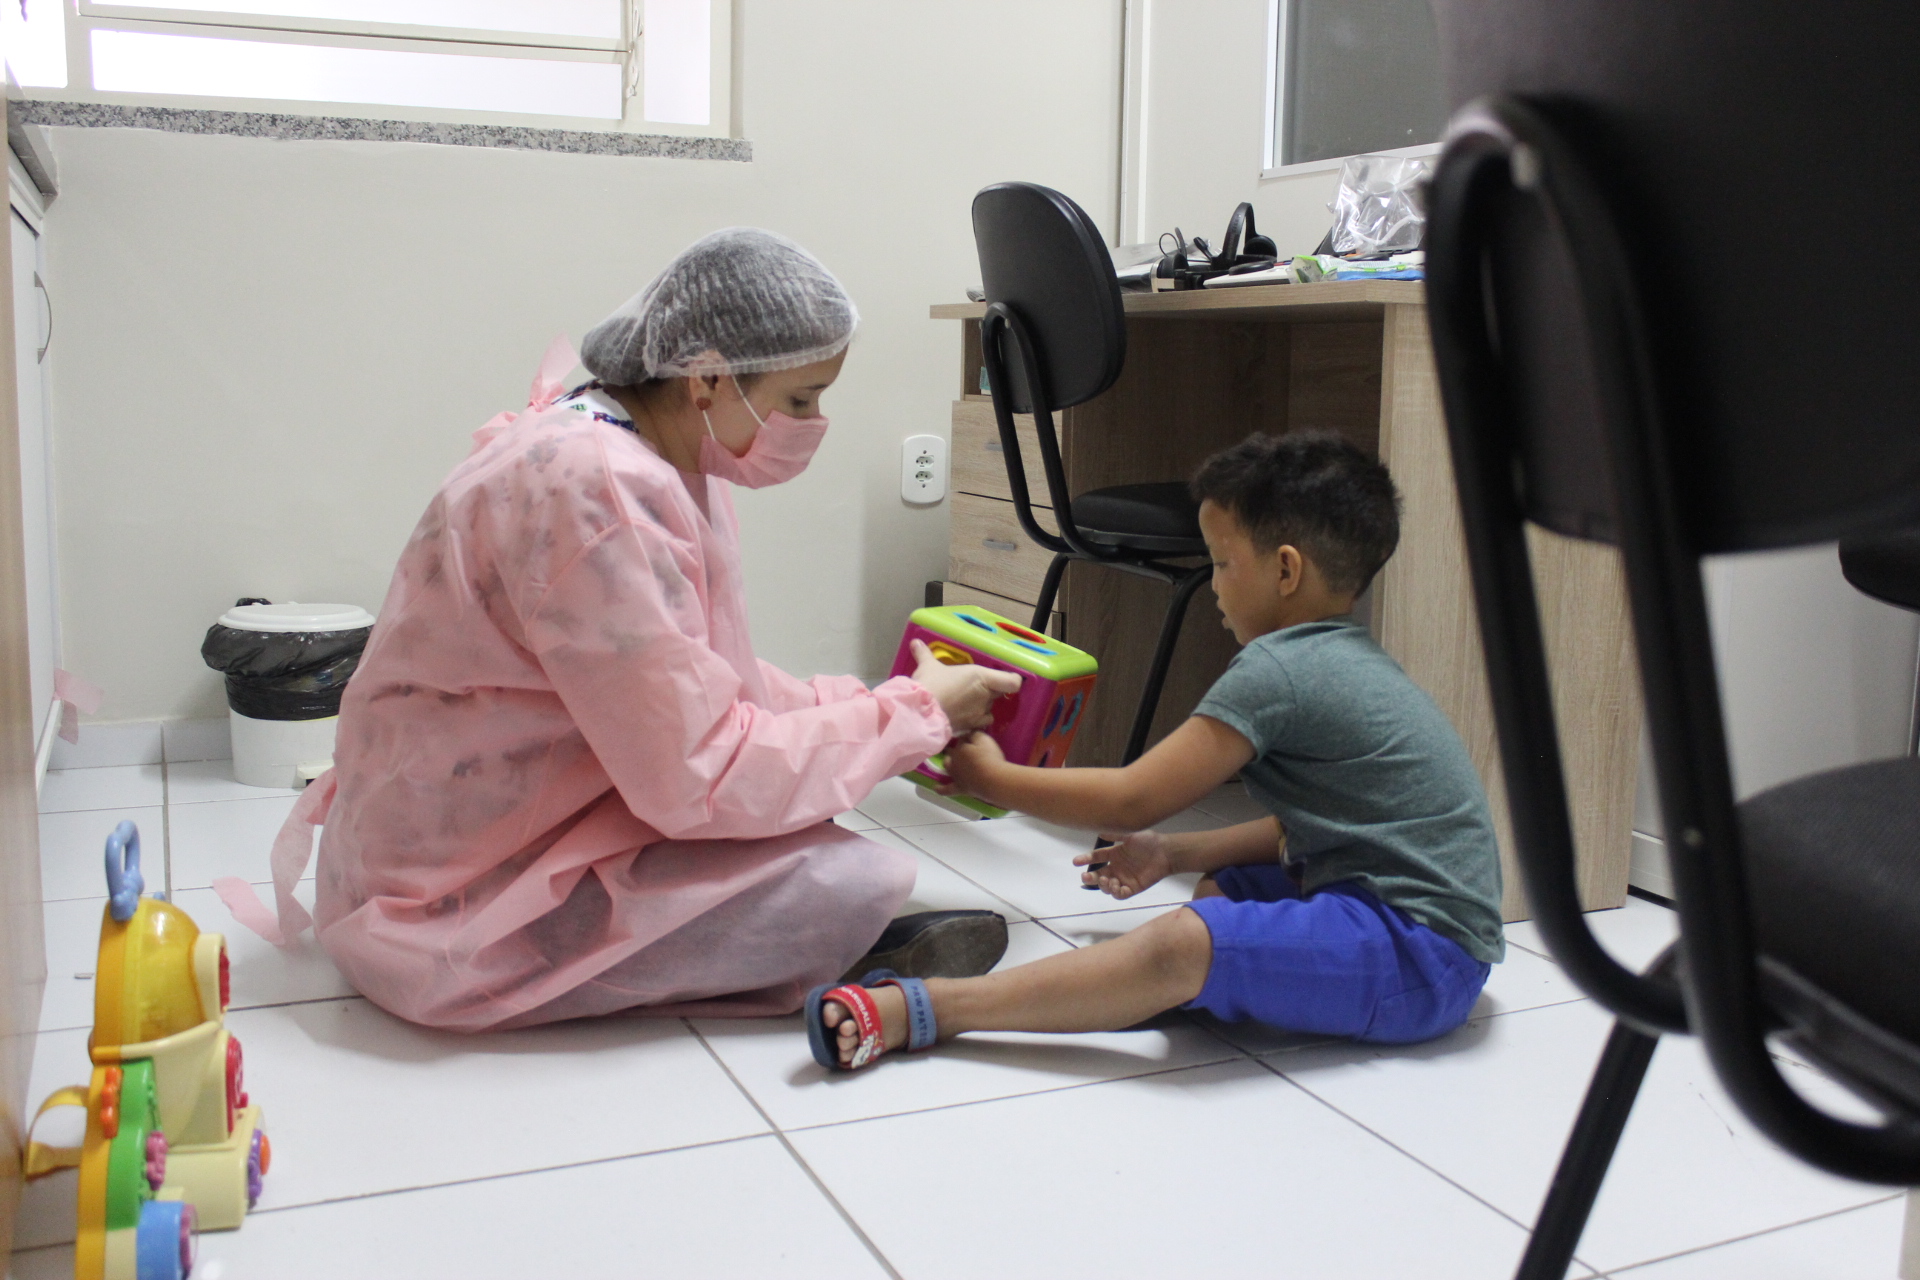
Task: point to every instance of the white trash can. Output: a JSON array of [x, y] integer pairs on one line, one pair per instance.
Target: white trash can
[[286, 666]]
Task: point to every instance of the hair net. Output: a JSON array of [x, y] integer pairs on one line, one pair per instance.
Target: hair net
[[757, 299]]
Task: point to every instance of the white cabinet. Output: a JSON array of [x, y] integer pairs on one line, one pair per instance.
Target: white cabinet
[[32, 322]]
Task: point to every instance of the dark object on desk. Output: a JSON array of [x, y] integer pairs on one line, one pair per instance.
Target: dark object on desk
[[1053, 337], [1190, 266], [1601, 380]]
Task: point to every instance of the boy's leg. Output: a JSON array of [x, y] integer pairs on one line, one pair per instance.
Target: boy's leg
[[1110, 985]]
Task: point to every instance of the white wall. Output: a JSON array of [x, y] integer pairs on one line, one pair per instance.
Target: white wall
[[1203, 125], [269, 353]]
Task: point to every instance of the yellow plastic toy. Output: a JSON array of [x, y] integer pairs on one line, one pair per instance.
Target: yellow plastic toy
[[173, 1145]]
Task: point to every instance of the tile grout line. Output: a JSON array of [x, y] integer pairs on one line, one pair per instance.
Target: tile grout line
[[467, 1182], [859, 1232], [1392, 1145], [166, 815], [1010, 1097], [1755, 1235]]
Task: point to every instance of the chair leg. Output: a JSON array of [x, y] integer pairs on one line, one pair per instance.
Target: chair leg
[[1162, 659], [1049, 589], [1590, 1147]]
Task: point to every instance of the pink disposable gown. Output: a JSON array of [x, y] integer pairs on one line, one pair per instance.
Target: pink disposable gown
[[564, 785]]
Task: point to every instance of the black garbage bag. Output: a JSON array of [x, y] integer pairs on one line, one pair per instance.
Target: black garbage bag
[[284, 675]]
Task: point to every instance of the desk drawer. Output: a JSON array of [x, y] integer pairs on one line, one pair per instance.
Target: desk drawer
[[989, 551], [979, 463]]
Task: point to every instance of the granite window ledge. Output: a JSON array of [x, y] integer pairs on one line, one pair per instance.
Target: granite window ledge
[[266, 124]]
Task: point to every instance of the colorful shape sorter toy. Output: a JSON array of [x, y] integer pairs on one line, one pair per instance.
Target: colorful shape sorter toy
[[1034, 726], [172, 1144]]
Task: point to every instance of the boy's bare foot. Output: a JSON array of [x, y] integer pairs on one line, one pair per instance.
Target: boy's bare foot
[[892, 1004]]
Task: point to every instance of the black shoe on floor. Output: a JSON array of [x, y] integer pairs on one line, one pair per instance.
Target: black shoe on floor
[[937, 944]]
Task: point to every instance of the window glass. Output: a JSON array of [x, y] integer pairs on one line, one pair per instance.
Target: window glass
[[36, 42], [542, 17], [677, 50], [140, 62], [1357, 76]]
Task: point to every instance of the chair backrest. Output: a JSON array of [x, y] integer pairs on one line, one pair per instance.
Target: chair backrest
[[1757, 160], [1042, 256]]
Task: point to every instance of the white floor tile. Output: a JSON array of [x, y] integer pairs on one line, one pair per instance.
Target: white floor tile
[[854, 820], [771, 1060], [198, 781], [1231, 804], [73, 949], [938, 887], [227, 838], [1490, 1106], [264, 974], [1634, 933], [1030, 864], [1104, 926], [1524, 981], [737, 1210], [73, 850], [1862, 1244], [115, 787], [898, 803], [1194, 819], [1218, 1171], [358, 1101]]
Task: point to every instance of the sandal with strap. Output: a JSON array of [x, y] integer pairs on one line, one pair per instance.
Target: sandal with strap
[[825, 1041]]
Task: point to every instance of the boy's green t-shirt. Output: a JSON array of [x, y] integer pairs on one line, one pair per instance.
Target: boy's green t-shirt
[[1368, 778]]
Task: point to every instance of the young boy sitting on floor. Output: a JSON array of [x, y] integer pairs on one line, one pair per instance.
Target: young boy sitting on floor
[[1368, 905]]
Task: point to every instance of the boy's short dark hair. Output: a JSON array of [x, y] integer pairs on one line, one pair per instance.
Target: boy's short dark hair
[[1314, 490]]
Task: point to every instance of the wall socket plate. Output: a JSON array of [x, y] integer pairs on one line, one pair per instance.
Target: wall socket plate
[[923, 469]]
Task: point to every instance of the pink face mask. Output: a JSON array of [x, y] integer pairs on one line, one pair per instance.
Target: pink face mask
[[781, 450]]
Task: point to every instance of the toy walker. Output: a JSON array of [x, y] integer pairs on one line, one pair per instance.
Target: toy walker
[[1035, 726], [173, 1146]]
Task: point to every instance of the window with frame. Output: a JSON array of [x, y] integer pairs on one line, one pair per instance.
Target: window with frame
[[656, 66], [1351, 77]]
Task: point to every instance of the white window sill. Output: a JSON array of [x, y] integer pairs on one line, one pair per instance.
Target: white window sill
[[263, 124]]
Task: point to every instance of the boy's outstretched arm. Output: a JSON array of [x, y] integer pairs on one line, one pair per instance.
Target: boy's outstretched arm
[[1186, 765]]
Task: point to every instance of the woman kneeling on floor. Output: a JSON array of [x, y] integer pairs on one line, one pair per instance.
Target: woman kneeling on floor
[[564, 785]]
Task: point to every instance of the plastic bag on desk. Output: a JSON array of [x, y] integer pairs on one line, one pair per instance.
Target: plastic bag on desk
[[1381, 205]]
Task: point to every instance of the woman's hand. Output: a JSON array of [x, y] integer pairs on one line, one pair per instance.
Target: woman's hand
[[1134, 864], [965, 693]]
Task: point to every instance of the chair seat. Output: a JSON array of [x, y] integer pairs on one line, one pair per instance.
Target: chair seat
[[1885, 567], [1159, 518], [1833, 862]]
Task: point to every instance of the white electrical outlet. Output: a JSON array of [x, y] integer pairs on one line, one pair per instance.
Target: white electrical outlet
[[923, 469]]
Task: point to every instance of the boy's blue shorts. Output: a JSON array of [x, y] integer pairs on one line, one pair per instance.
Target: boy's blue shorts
[[1339, 962]]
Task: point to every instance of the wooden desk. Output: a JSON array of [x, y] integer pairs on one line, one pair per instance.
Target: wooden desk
[[1205, 368]]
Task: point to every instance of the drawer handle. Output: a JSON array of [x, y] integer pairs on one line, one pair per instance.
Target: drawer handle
[[999, 544], [994, 446]]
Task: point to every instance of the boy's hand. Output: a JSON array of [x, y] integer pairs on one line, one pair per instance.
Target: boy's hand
[[965, 693], [970, 763], [1134, 864]]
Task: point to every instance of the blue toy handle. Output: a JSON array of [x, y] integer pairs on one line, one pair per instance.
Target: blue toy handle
[[124, 881]]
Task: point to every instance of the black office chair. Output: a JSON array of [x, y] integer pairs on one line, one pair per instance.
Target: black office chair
[[1055, 336], [1887, 567], [1617, 365]]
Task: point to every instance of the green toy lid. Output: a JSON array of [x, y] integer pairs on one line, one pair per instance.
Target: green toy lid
[[1006, 640]]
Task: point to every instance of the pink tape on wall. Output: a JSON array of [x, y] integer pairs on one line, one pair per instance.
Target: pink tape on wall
[[77, 697]]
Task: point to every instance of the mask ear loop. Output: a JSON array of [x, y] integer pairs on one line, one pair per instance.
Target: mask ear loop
[[742, 391]]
